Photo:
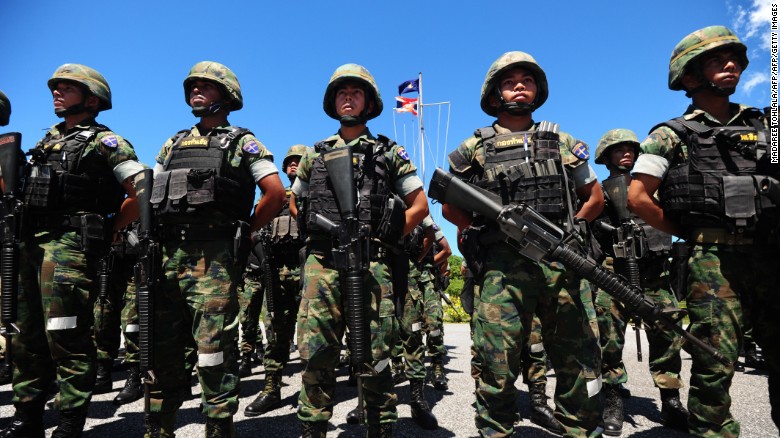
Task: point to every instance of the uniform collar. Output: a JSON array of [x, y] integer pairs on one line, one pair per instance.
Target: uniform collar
[[84, 125], [699, 115], [501, 130]]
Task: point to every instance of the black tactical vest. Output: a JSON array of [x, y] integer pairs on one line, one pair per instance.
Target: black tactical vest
[[526, 167], [373, 186], [62, 180], [658, 242], [198, 184], [715, 186]]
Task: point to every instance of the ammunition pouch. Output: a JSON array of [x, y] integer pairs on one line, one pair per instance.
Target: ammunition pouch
[[185, 191], [94, 235], [41, 188], [678, 269]]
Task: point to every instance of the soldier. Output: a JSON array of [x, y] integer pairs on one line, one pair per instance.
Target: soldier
[[250, 296], [617, 150], [204, 189], [708, 167], [283, 245], [419, 317], [5, 115], [434, 312], [78, 176], [383, 171], [533, 163]]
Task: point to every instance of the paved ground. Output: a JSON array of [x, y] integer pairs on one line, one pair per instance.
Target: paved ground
[[454, 408]]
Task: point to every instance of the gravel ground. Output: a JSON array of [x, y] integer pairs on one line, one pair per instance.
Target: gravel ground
[[454, 408]]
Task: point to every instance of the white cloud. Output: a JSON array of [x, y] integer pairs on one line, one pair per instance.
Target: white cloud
[[752, 22], [752, 80]]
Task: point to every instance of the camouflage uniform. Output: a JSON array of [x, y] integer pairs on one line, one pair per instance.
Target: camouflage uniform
[[197, 298], [513, 289], [57, 272], [5, 114], [724, 267]]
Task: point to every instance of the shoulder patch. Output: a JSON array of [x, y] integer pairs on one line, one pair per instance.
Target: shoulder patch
[[110, 141], [580, 150], [402, 153], [251, 147]]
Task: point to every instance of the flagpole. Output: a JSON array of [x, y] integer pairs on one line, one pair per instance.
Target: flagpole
[[422, 127]]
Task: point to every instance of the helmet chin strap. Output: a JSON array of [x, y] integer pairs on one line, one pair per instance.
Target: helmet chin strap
[[718, 91], [71, 110], [515, 108], [201, 111]]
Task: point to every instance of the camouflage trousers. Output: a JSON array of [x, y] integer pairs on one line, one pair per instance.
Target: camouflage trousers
[[513, 290], [422, 315], [119, 314], [55, 311], [280, 329], [197, 304], [720, 279], [321, 325], [250, 298], [664, 346]]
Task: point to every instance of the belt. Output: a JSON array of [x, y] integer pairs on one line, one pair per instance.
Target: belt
[[196, 232], [719, 236]]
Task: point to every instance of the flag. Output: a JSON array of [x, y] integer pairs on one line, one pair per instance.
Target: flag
[[406, 105], [409, 86]]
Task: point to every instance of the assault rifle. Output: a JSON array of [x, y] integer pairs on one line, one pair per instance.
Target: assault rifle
[[538, 239], [105, 271], [11, 158], [629, 242], [147, 274], [351, 258], [262, 250]]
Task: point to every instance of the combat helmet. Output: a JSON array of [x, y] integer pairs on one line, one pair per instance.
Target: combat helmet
[[503, 63], [220, 74], [296, 150], [352, 72], [696, 44], [87, 77], [614, 137], [5, 109]]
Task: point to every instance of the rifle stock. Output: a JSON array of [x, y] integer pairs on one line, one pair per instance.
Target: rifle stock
[[537, 238], [11, 158]]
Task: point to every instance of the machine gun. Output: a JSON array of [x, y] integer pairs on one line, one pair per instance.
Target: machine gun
[[147, 274], [11, 159], [351, 258], [538, 239], [629, 242]]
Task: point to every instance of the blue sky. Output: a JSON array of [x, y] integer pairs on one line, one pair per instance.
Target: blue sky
[[606, 62]]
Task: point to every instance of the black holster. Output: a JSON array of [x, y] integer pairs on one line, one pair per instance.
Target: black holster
[[679, 269]]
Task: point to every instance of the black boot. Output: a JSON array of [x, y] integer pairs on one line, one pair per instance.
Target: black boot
[[220, 428], [613, 410], [27, 422], [753, 358], [314, 429], [162, 425], [541, 413], [133, 389], [381, 430], [103, 381], [71, 422], [399, 374], [673, 413], [5, 373], [353, 416], [421, 412], [439, 379], [269, 399], [245, 368]]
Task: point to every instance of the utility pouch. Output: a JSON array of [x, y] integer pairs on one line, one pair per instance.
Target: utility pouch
[[739, 200], [678, 269], [391, 225], [241, 244], [93, 234], [200, 186]]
